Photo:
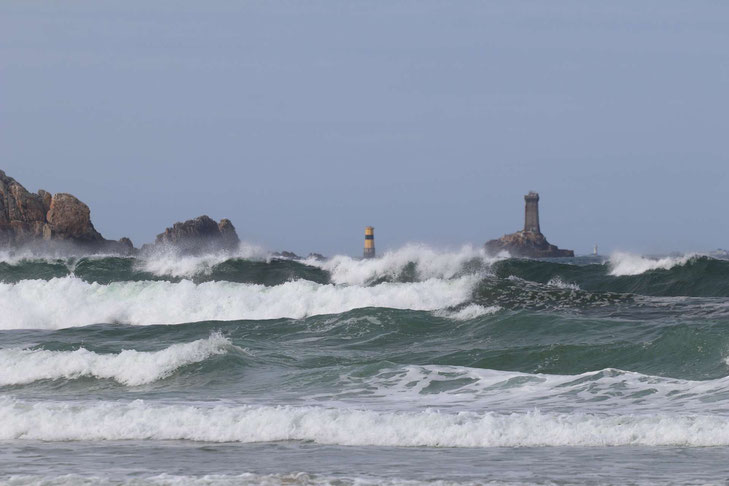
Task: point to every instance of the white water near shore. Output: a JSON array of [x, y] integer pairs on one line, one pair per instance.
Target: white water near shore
[[137, 420]]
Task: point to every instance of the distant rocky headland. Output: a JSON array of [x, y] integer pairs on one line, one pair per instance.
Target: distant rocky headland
[[41, 221], [51, 222], [530, 242]]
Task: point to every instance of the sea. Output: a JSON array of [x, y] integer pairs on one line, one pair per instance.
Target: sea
[[422, 366]]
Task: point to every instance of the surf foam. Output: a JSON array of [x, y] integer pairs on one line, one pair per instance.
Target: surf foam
[[69, 301], [561, 284], [605, 391], [137, 420], [169, 263], [471, 311], [129, 367], [245, 479], [623, 264], [429, 263]]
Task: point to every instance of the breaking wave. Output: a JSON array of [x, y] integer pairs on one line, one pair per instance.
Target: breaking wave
[[139, 421], [692, 275], [70, 301], [410, 263], [622, 264], [245, 479], [167, 262], [129, 367], [604, 391]]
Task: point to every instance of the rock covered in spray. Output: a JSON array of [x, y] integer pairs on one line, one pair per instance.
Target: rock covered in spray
[[199, 235]]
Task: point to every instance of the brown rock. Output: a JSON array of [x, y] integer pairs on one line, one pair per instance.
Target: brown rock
[[21, 213], [46, 198], [199, 234], [27, 218], [127, 244], [228, 235], [527, 244], [17, 204], [71, 219]]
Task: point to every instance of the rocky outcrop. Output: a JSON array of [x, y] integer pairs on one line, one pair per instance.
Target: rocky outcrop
[[70, 219], [200, 234], [527, 244], [228, 235], [40, 219]]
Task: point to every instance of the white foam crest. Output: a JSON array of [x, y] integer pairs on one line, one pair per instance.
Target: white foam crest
[[69, 301], [168, 262], [138, 420], [245, 479], [429, 263], [471, 311], [603, 391], [13, 257], [622, 264], [561, 284], [129, 367]]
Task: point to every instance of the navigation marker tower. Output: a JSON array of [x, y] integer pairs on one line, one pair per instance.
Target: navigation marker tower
[[369, 246]]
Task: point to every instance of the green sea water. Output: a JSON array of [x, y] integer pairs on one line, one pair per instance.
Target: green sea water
[[421, 366]]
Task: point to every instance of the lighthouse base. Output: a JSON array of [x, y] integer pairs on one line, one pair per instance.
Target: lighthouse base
[[527, 244]]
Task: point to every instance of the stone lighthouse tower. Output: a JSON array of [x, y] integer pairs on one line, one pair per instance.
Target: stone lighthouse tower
[[531, 213], [530, 242]]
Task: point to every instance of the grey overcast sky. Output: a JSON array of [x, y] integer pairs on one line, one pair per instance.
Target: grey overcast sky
[[305, 121]]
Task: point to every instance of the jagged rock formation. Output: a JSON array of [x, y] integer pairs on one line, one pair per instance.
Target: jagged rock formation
[[42, 218], [200, 234], [530, 242]]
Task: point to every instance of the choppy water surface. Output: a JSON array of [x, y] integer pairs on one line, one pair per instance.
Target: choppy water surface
[[419, 366]]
